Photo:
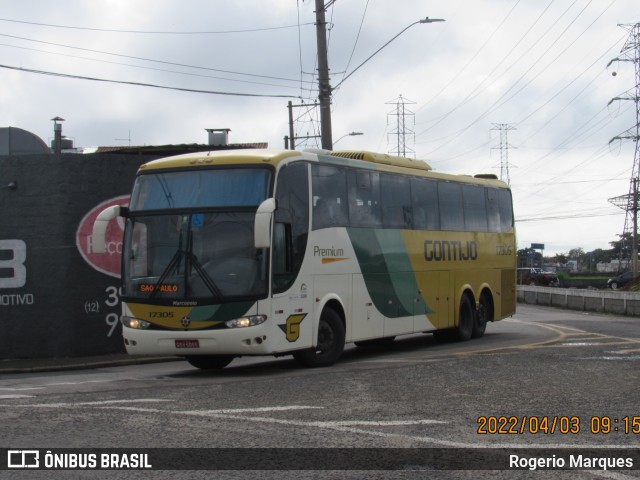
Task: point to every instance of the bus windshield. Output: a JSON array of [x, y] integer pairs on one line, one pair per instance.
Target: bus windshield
[[190, 237], [228, 187]]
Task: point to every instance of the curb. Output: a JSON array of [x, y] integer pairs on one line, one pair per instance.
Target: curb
[[66, 364]]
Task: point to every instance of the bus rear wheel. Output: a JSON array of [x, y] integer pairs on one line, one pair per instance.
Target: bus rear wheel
[[483, 316], [330, 345], [466, 319], [210, 362]]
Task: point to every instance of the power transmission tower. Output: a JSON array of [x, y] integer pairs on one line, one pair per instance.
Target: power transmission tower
[[504, 149], [401, 131], [630, 52]]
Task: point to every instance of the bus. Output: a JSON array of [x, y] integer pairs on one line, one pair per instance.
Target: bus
[[263, 252]]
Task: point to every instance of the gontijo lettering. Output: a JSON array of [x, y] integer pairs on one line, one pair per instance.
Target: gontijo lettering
[[445, 250]]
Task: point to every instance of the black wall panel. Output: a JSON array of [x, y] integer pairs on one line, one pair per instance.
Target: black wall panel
[[53, 302]]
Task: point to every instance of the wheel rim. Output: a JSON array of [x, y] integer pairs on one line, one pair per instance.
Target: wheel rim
[[326, 338], [482, 313]]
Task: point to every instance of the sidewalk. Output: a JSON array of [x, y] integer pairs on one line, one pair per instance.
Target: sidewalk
[[35, 365]]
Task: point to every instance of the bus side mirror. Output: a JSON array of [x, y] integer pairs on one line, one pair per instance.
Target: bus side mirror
[[100, 226], [262, 226]]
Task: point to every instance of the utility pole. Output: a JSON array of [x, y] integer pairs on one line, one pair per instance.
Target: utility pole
[[504, 149], [401, 131], [324, 95], [630, 52], [292, 139]]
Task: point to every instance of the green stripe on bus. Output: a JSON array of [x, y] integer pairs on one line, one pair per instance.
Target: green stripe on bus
[[386, 270]]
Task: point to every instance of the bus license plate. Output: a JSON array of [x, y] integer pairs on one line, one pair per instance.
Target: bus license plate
[[187, 344]]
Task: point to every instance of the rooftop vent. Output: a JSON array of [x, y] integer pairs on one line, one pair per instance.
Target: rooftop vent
[[218, 136]]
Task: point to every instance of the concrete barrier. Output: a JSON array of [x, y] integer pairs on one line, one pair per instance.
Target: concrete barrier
[[602, 301]]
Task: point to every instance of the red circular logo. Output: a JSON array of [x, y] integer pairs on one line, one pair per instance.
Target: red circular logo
[[108, 262]]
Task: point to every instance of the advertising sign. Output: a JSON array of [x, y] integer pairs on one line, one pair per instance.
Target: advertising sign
[[108, 262]]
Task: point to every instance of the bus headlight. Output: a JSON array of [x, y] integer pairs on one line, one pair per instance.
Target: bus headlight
[[248, 321], [136, 323]]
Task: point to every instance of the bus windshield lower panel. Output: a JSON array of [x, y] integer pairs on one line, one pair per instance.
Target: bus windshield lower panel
[[209, 257]]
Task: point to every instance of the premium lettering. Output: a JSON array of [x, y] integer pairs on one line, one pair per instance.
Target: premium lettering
[[446, 251], [327, 252]]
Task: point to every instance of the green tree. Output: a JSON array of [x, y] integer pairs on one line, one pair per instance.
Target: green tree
[[560, 258], [524, 259]]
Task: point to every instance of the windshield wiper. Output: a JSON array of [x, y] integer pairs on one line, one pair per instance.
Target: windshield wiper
[[204, 276], [175, 262], [191, 260]]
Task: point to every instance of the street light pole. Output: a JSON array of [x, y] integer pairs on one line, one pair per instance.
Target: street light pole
[[351, 134], [324, 87], [424, 20]]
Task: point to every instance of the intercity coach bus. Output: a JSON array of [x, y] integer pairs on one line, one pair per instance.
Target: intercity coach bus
[[260, 252]]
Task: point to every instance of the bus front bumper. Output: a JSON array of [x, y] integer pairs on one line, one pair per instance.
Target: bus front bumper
[[256, 340]]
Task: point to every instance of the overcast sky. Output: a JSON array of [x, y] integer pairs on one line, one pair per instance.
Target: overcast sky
[[538, 67]]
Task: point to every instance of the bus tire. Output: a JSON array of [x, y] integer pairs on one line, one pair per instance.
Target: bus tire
[[466, 319], [483, 316], [330, 345], [210, 362]]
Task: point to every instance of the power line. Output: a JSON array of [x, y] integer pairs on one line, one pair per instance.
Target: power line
[[150, 60], [502, 100], [200, 75], [80, 77], [156, 32], [355, 43], [566, 217]]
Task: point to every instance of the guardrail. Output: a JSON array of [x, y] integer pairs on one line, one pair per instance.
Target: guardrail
[[603, 301]]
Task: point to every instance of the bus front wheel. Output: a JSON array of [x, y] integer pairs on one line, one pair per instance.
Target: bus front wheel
[[210, 362], [330, 345]]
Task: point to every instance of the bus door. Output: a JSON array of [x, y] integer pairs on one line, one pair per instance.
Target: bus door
[[291, 285]]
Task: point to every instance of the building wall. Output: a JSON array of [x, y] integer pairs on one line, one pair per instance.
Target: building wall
[[53, 302]]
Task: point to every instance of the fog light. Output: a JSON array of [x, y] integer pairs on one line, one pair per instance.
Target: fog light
[[132, 322], [249, 321]]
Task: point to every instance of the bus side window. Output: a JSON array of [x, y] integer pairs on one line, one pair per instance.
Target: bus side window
[[493, 210], [475, 208], [425, 206], [506, 210], [451, 209], [364, 198], [329, 197], [396, 201]]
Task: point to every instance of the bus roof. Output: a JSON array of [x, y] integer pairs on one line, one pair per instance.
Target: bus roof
[[221, 157], [274, 157]]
